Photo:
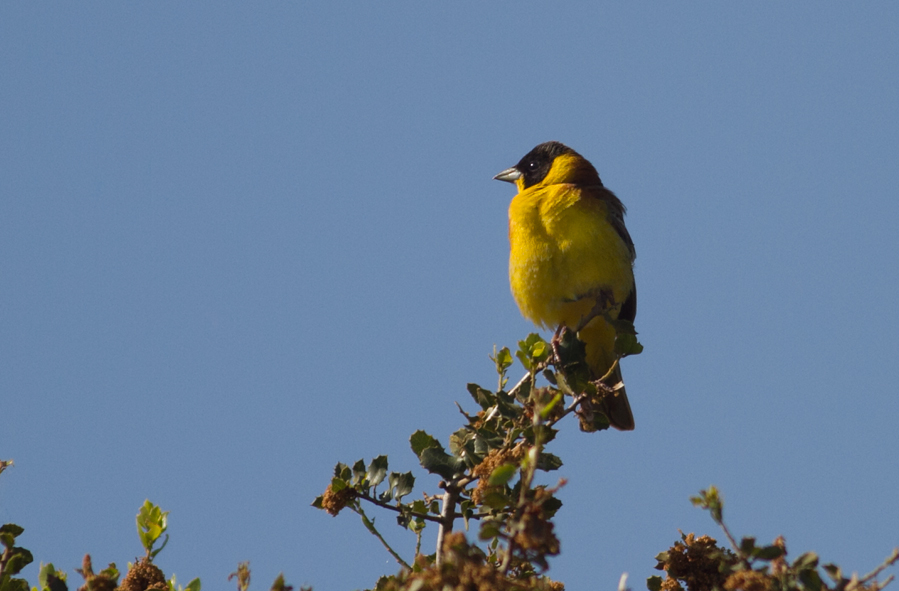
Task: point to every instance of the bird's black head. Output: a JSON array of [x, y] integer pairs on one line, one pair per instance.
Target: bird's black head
[[536, 164]]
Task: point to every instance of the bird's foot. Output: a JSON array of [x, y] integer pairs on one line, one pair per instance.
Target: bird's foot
[[603, 301], [556, 341]]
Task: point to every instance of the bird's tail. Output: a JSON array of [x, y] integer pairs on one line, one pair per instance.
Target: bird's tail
[[617, 408], [599, 337]]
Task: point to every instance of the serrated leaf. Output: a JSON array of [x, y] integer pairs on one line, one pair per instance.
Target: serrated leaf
[[376, 470], [654, 583], [461, 441], [343, 471], [421, 441], [483, 397], [548, 462], [627, 344], [544, 433], [358, 471], [317, 503], [401, 484], [437, 461], [338, 484], [551, 505]]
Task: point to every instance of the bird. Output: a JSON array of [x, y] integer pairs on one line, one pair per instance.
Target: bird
[[571, 261]]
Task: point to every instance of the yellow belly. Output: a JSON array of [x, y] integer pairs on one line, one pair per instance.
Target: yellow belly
[[564, 254], [562, 249]]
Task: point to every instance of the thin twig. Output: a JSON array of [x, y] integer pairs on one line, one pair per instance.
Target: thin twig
[[733, 542], [370, 525], [891, 559], [371, 499]]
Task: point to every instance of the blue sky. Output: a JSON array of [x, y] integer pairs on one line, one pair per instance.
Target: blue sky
[[243, 243]]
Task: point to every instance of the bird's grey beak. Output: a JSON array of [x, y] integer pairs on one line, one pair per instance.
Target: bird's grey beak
[[510, 175]]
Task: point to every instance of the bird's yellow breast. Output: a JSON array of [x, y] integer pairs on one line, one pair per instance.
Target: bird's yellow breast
[[563, 249]]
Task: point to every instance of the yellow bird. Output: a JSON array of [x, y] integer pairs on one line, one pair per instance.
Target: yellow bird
[[572, 257]]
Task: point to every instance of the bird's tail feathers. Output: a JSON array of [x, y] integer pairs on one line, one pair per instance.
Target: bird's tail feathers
[[617, 407]]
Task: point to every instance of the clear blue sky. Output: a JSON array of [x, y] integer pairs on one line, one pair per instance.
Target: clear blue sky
[[242, 243]]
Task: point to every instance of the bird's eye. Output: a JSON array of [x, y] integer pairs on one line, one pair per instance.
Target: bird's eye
[[532, 165]]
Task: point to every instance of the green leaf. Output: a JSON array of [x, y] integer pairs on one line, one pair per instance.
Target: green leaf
[[571, 349], [768, 552], [506, 405], [747, 545], [194, 585], [279, 585], [111, 571], [548, 462], [811, 579], [377, 470], [833, 571], [711, 501], [401, 484], [523, 358], [19, 559], [503, 360], [343, 471], [485, 398], [12, 528], [461, 442], [47, 575], [551, 505], [7, 539], [495, 500], [358, 471], [421, 441], [502, 474], [654, 583], [548, 407], [14, 585], [627, 344], [523, 393], [489, 530], [437, 461], [152, 522], [543, 433], [317, 503], [807, 560]]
